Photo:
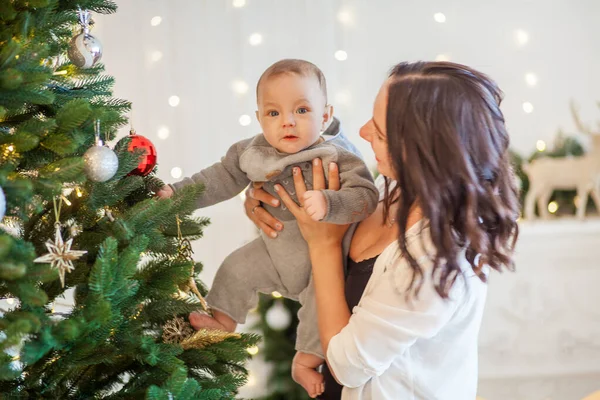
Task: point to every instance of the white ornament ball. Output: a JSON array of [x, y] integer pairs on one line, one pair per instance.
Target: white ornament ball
[[85, 50], [100, 163], [2, 204], [278, 317]]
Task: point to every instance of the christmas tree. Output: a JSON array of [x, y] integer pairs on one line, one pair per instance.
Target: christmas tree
[[278, 347], [79, 216]]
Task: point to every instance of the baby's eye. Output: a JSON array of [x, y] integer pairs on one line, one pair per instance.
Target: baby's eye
[[302, 110], [273, 113]]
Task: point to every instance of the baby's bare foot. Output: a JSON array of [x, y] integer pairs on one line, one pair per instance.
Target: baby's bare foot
[[309, 379]]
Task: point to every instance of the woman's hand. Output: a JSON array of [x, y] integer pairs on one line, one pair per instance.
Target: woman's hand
[[257, 214], [315, 233]]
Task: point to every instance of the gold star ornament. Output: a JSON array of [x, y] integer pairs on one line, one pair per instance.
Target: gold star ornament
[[60, 255]]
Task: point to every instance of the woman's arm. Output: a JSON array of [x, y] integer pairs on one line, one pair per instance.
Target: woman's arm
[[363, 345], [333, 313], [328, 277]]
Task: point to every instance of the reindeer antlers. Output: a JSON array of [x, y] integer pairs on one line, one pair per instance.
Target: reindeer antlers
[[580, 126]]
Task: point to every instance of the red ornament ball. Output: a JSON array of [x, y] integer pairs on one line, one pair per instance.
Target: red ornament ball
[[148, 161]]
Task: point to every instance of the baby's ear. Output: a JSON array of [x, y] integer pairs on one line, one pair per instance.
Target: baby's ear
[[327, 116], [257, 115]]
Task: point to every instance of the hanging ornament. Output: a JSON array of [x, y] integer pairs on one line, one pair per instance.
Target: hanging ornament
[[84, 49], [177, 330], [148, 160], [2, 204], [185, 253], [206, 337], [278, 317], [60, 255], [100, 162]]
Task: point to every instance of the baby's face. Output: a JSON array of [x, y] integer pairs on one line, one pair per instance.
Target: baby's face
[[291, 111]]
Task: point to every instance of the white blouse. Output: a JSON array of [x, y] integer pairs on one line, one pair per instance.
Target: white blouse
[[400, 349]]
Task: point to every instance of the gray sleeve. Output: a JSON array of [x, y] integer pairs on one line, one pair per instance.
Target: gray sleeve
[[357, 197], [222, 180]]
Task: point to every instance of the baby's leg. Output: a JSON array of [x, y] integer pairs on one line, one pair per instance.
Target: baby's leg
[[304, 373], [244, 273]]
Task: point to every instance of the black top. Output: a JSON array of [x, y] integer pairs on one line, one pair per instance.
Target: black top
[[356, 281]]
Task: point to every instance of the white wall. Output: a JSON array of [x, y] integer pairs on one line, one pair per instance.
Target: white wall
[[540, 336]]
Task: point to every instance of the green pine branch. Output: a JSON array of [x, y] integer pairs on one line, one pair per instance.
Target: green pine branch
[[109, 345]]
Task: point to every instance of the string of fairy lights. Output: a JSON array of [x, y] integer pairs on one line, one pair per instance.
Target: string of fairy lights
[[346, 17]]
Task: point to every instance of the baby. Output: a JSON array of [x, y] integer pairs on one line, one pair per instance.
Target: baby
[[292, 112]]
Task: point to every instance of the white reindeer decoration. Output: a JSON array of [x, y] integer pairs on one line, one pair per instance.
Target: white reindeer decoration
[[580, 173]]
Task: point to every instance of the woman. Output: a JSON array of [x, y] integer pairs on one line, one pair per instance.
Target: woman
[[448, 214]]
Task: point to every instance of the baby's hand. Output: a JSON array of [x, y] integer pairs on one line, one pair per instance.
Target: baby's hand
[[165, 192], [315, 204]]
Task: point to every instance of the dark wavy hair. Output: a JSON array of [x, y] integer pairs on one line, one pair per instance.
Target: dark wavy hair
[[449, 149]]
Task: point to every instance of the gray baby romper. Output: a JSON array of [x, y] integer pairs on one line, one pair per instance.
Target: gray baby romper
[[265, 264]]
